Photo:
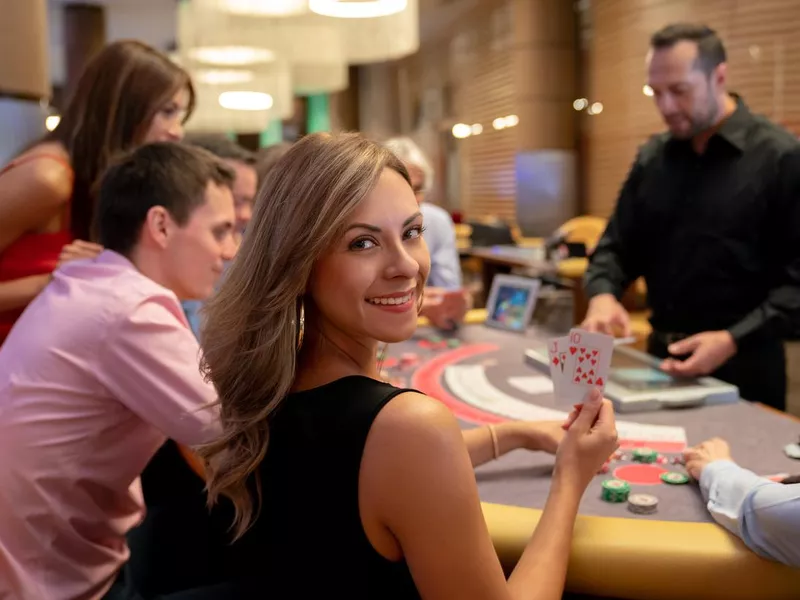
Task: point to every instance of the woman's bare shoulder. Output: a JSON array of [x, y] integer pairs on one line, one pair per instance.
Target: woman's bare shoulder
[[412, 414], [45, 170]]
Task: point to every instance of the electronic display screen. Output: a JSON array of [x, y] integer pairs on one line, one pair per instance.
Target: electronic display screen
[[511, 306], [636, 375]]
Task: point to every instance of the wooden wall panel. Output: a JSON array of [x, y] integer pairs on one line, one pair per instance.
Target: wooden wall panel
[[463, 72], [484, 91], [764, 65]]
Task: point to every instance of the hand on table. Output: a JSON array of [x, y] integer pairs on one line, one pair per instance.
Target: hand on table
[[697, 457], [707, 352], [590, 438], [77, 250], [605, 314]]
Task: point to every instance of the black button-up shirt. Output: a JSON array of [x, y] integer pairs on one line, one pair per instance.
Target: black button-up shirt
[[716, 235]]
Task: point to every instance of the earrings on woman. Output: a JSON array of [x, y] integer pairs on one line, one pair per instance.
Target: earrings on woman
[[301, 324]]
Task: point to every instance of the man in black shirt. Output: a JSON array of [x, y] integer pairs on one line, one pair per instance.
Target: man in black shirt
[[710, 216]]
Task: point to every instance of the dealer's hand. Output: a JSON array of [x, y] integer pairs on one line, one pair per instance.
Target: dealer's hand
[[707, 352], [607, 315], [699, 456]]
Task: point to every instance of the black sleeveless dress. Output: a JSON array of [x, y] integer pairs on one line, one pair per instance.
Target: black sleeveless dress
[[308, 541]]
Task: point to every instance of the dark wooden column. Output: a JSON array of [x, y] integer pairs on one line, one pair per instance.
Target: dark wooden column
[[84, 36]]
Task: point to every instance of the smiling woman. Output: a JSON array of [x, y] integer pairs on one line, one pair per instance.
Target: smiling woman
[[334, 264]]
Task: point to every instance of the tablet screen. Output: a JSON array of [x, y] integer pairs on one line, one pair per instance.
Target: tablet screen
[[634, 375], [510, 306]]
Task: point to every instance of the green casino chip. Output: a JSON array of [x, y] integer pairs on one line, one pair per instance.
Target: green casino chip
[[674, 478], [434, 339], [645, 455], [453, 343], [615, 490]]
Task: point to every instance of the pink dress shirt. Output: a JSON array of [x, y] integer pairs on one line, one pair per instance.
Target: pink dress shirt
[[98, 371]]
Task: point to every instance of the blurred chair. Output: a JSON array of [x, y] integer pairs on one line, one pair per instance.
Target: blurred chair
[[585, 229]]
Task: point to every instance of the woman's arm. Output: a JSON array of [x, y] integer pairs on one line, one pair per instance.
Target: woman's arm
[[536, 436], [417, 484], [30, 195], [18, 293]]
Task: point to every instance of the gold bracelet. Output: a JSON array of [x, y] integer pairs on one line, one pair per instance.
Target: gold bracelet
[[495, 444]]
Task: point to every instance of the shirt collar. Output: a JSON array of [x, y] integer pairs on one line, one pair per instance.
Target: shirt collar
[[733, 129], [109, 257]]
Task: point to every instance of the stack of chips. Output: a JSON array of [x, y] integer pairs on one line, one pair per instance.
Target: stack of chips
[[642, 504], [674, 478], [615, 490], [645, 455]]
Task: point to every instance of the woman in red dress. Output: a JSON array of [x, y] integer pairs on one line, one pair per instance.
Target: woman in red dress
[[128, 95]]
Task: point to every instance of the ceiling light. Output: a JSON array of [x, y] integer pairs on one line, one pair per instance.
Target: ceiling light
[[461, 130], [499, 123], [272, 8], [647, 90], [476, 129], [223, 77], [597, 108], [580, 104], [231, 55], [245, 100], [512, 121], [359, 9]]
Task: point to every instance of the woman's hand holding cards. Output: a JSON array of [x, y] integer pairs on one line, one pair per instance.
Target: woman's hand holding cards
[[590, 438]]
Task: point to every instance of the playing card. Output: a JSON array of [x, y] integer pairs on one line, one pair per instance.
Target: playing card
[[558, 353], [587, 365]]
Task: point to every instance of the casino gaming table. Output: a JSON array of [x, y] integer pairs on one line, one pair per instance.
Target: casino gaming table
[[678, 552]]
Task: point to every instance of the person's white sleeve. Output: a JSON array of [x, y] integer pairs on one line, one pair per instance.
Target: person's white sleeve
[[440, 235], [763, 513]]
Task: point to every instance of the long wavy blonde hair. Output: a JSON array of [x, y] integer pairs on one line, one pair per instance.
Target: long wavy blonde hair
[[251, 328]]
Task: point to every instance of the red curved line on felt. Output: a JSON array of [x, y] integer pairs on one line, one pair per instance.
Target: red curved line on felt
[[428, 380]]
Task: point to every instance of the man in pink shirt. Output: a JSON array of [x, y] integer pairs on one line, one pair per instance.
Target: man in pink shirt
[[102, 368]]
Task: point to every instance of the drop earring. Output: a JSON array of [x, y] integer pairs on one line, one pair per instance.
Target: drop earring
[[301, 325]]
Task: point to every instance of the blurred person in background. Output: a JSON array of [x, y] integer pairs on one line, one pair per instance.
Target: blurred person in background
[[268, 156], [129, 94], [445, 302], [245, 185]]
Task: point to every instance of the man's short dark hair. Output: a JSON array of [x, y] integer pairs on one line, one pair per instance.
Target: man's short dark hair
[[222, 147], [710, 49], [168, 174]]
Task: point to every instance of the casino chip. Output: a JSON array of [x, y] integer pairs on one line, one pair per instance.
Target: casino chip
[[642, 504], [674, 478], [409, 359], [453, 343], [645, 455], [615, 490]]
